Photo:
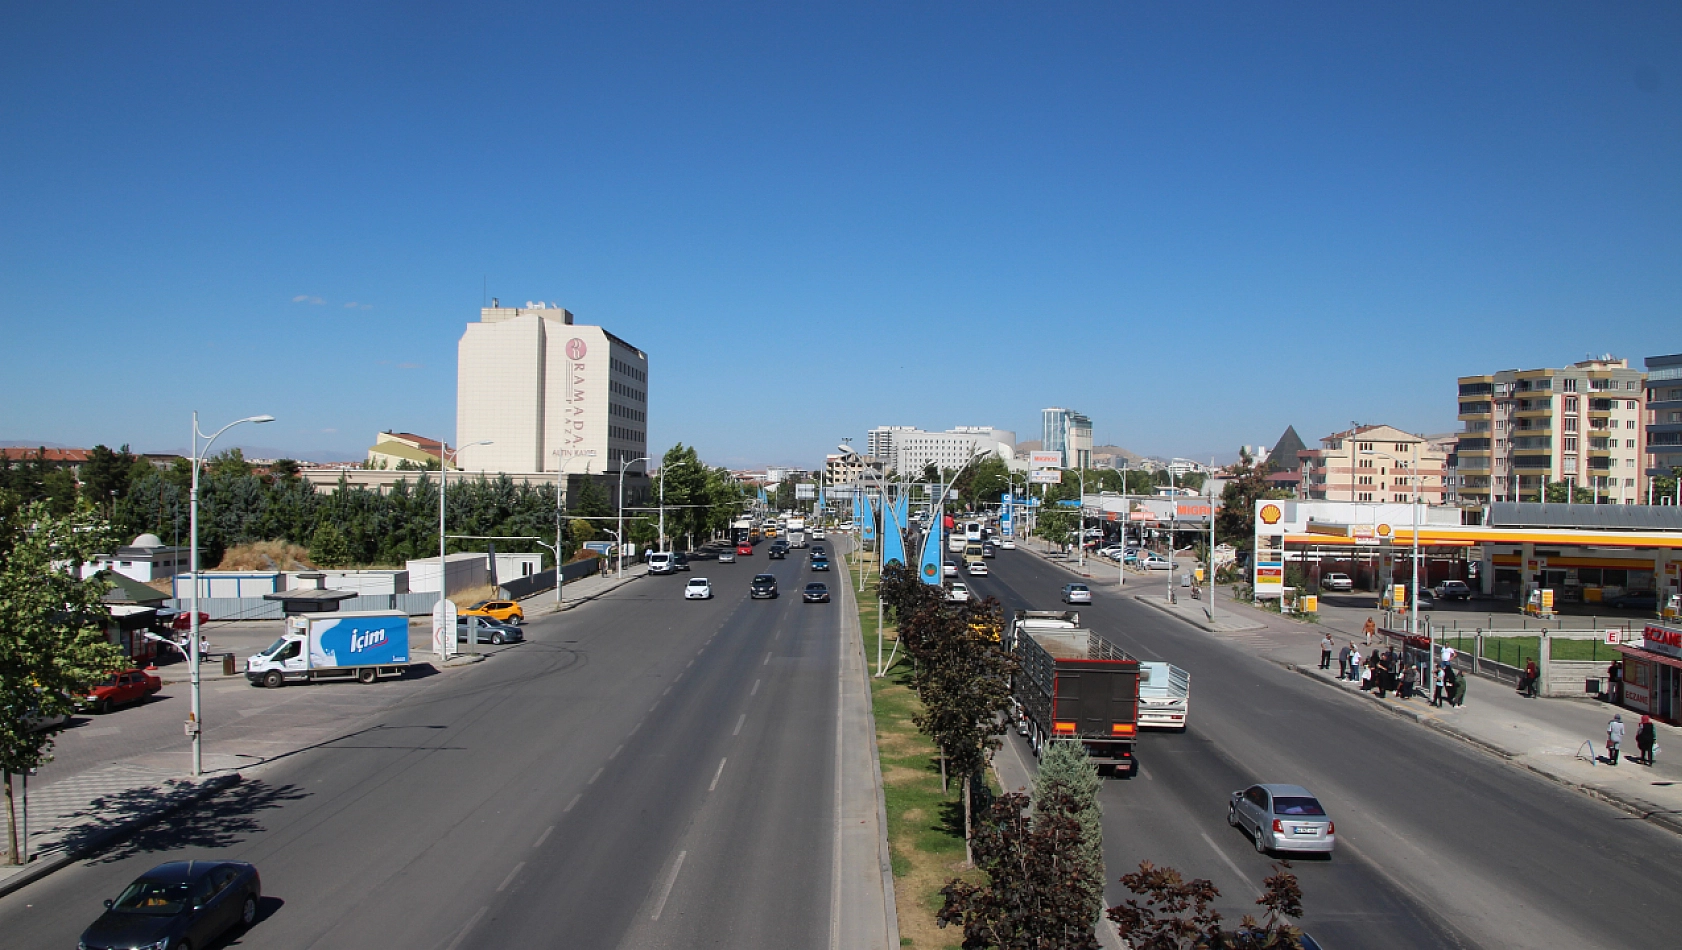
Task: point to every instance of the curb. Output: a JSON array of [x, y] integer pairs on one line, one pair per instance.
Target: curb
[[1201, 625], [884, 855], [116, 833], [569, 604], [1647, 811]]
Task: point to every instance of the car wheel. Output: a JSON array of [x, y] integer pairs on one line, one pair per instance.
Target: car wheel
[[103, 707], [367, 675], [273, 680], [248, 911], [496, 639], [1261, 842], [1232, 816]]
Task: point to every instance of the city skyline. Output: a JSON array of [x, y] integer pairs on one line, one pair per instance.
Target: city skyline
[[1197, 230]]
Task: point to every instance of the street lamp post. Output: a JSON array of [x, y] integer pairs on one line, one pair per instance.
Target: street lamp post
[[443, 566], [881, 546], [619, 537], [560, 519], [196, 717], [1413, 595]]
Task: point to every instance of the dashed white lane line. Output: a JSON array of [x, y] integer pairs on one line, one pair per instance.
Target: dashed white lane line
[[462, 933], [755, 688], [1230, 863], [598, 775], [665, 889], [717, 775], [738, 730], [767, 660], [545, 836], [510, 878], [616, 752], [574, 801]]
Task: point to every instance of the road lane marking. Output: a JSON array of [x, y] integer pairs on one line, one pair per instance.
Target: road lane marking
[[738, 730], [679, 676], [655, 706], [574, 801], [462, 933], [767, 660], [687, 666], [755, 688], [545, 836], [1231, 863], [666, 690], [598, 775], [510, 878], [637, 726], [665, 889], [717, 775], [616, 752]]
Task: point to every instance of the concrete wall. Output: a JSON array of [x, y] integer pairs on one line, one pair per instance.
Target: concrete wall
[[466, 570], [1565, 677]]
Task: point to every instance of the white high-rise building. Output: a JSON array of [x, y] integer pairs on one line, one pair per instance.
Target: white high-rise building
[[1068, 432], [547, 391]]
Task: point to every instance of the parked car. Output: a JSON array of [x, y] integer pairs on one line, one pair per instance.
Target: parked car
[[1077, 594], [35, 720], [698, 588], [1338, 582], [1152, 561], [121, 689], [490, 631], [179, 904], [1282, 818], [1452, 590], [957, 593], [815, 594], [744, 549], [727, 556], [763, 586], [506, 611], [1635, 600]]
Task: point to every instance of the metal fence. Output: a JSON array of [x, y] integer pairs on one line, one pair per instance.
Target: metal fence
[[256, 608], [531, 584]]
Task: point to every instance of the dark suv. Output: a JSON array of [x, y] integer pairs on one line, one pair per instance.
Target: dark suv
[[764, 585], [779, 551], [680, 561]]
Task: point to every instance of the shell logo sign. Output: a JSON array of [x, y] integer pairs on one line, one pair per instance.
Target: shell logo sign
[[1383, 531], [1270, 514]]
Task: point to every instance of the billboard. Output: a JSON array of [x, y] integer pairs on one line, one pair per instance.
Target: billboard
[[1046, 476], [1045, 459], [805, 491]]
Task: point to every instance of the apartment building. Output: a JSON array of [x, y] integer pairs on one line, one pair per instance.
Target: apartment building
[[1373, 463], [545, 391], [1580, 425], [1664, 415], [1068, 432], [908, 449]]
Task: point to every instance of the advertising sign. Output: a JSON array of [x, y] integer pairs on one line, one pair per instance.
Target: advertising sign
[[805, 491], [1046, 476], [1045, 460], [1270, 578], [1666, 640], [1007, 516], [443, 628]]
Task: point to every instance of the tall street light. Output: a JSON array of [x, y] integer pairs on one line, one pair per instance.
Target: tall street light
[[196, 720], [619, 538], [560, 516], [443, 567], [1413, 596], [881, 545]]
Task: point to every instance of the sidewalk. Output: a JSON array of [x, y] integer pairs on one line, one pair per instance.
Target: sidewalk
[[1542, 735], [582, 591]]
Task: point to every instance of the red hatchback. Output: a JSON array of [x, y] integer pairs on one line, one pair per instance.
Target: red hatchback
[[744, 548]]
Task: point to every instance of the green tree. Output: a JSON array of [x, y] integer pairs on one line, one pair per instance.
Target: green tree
[[1175, 914], [328, 546], [229, 464], [982, 484], [52, 629], [105, 476], [1068, 779], [1235, 522], [1559, 493], [1036, 894]]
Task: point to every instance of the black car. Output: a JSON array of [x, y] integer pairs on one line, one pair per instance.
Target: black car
[[820, 564], [815, 594], [179, 904], [778, 551], [764, 585], [818, 551], [491, 631], [1635, 600], [680, 561]]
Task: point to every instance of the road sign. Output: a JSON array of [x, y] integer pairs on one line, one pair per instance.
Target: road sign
[[1046, 476], [1070, 502], [806, 491]]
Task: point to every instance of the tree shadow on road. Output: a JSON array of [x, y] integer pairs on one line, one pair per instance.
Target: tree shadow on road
[[223, 820]]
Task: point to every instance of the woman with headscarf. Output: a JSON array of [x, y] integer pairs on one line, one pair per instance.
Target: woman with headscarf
[[1646, 738]]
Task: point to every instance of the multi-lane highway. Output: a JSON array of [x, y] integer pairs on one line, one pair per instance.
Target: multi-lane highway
[[1439, 844], [644, 772]]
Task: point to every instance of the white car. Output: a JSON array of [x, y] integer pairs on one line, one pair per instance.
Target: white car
[[1008, 544], [1335, 581], [1076, 594], [1155, 562], [978, 568], [727, 556], [949, 569], [957, 593], [698, 589], [818, 534]]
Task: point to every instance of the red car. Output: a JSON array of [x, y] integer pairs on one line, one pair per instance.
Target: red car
[[120, 689], [744, 548]]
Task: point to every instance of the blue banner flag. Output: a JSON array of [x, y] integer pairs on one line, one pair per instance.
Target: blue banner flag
[[932, 560], [1007, 516], [868, 525], [893, 532], [762, 501]]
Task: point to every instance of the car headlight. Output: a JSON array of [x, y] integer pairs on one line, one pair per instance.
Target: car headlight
[[160, 945]]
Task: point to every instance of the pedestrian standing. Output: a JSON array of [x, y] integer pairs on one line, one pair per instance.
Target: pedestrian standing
[[1646, 738], [1381, 673], [1460, 688], [1343, 661], [1326, 652], [1439, 683], [1615, 682], [1614, 737], [1354, 663], [1368, 628], [1410, 675], [1527, 685]]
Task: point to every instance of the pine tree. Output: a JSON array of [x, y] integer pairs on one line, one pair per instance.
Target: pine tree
[[1069, 778]]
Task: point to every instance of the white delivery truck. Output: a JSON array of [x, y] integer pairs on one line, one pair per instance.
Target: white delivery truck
[[1164, 696], [360, 644], [796, 532]]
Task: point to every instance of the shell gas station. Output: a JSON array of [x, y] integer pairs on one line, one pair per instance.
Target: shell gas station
[[1540, 559]]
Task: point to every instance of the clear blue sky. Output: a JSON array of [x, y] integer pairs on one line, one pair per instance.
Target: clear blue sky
[[1197, 223]]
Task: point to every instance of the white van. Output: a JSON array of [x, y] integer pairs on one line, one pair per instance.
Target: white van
[[660, 562]]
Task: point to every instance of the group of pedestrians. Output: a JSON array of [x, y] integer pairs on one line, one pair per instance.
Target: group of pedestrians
[[1388, 671], [1646, 740]]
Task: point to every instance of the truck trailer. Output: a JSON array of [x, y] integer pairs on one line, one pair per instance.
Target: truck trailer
[[1164, 696], [363, 645], [796, 532], [1073, 684]]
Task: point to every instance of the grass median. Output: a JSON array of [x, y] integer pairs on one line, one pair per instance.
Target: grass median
[[925, 825]]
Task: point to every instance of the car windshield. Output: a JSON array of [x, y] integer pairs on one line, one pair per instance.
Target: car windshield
[[765, 579], [1077, 588], [816, 588], [152, 896], [275, 647], [1284, 805]]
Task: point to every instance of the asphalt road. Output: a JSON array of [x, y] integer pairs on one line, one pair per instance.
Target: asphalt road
[[644, 772], [1439, 844]]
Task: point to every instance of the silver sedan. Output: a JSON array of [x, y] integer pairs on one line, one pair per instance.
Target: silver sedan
[[1282, 818]]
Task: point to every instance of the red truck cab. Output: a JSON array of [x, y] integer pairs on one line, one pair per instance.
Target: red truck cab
[[120, 689]]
